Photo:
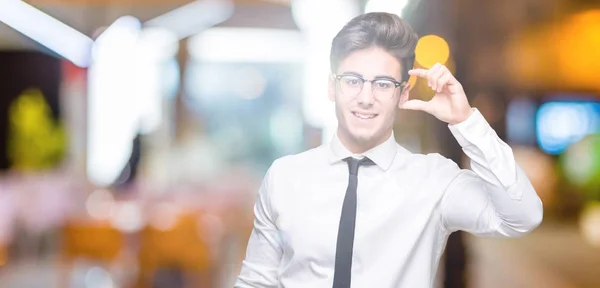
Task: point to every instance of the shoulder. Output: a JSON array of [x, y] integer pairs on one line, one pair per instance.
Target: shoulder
[[291, 163], [309, 157], [435, 165], [287, 170], [441, 161]]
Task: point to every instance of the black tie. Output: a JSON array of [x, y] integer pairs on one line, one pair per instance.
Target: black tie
[[345, 237]]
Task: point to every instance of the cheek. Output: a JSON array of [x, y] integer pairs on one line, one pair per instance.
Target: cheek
[[342, 106], [342, 113], [390, 115]]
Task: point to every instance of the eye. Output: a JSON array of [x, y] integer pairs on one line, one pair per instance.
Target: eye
[[351, 81], [384, 84]]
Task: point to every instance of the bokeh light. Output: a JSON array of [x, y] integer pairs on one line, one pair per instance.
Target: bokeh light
[[127, 217], [251, 83], [581, 163], [165, 216], [100, 204], [571, 62], [432, 49], [579, 61], [590, 224], [561, 123], [98, 277]]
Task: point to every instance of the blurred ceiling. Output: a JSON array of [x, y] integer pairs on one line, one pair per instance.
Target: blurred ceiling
[[87, 16], [491, 41]]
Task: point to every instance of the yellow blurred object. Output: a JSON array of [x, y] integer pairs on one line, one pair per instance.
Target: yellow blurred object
[[432, 49], [180, 245], [412, 80], [3, 255], [418, 85], [35, 140], [96, 240], [560, 55], [579, 49], [421, 90], [528, 61]]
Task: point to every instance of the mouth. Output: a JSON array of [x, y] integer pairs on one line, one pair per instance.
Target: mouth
[[364, 116]]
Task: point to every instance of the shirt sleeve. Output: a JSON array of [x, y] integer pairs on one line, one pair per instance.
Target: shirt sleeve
[[264, 251], [494, 198]]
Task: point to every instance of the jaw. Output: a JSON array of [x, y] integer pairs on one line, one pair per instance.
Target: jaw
[[360, 135]]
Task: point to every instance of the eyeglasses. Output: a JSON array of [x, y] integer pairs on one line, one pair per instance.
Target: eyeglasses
[[352, 85]]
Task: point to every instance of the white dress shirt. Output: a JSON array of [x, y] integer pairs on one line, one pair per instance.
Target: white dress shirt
[[408, 204]]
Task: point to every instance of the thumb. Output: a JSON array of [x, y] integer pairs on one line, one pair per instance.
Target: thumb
[[415, 105]]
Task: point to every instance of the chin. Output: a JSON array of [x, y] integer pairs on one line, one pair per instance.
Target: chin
[[363, 138], [368, 136]]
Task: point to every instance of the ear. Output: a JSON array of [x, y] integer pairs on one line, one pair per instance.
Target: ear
[[331, 89], [405, 93]]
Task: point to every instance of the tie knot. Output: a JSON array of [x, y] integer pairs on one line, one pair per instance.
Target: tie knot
[[354, 163]]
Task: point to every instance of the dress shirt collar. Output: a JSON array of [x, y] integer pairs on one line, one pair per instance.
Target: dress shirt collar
[[382, 154]]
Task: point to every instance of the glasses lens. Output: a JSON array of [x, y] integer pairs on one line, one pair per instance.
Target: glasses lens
[[351, 85], [384, 88]]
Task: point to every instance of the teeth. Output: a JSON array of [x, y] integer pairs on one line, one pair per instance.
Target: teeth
[[364, 116]]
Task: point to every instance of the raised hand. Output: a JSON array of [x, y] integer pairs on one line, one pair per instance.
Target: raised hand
[[449, 104]]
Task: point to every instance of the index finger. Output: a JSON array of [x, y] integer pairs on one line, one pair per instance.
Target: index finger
[[418, 72]]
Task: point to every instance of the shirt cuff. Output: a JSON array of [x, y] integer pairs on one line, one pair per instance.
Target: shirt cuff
[[468, 131]]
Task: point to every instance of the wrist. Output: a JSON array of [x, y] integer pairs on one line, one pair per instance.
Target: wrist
[[461, 117]]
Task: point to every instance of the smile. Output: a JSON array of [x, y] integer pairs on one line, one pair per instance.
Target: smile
[[364, 115]]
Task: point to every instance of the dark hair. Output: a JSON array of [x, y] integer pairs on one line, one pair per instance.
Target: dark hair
[[383, 30]]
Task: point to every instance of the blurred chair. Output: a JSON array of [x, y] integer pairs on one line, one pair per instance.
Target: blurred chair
[[179, 247], [3, 254], [96, 241]]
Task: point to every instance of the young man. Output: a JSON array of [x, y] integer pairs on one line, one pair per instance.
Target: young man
[[324, 218]]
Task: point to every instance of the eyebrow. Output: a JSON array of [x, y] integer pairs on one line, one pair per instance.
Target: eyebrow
[[383, 77]]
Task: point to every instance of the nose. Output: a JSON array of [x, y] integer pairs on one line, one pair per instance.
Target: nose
[[366, 97]]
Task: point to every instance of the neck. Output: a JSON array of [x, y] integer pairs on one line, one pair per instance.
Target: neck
[[358, 147]]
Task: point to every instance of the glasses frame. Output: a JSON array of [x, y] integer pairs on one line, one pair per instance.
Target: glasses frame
[[397, 84]]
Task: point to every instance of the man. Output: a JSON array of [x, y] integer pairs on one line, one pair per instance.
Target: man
[[324, 218]]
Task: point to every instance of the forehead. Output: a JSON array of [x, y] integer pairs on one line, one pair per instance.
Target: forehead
[[371, 62]]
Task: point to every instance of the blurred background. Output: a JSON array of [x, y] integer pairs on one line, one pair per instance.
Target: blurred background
[[135, 133]]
